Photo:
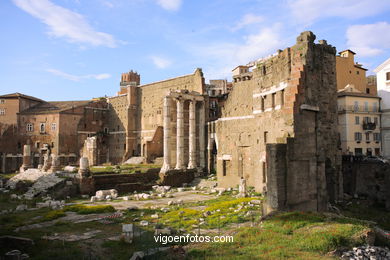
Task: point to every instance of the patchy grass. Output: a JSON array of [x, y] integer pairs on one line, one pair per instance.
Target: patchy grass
[[54, 214], [223, 212], [292, 235], [125, 169], [84, 209]]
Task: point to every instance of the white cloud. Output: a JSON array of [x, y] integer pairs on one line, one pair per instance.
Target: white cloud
[[160, 62], [170, 5], [246, 20], [369, 39], [64, 23], [78, 77], [225, 55], [307, 11]]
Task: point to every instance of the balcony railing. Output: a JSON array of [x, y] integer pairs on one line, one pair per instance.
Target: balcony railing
[[353, 108], [369, 126]]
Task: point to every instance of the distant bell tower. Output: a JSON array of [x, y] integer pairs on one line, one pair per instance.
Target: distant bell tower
[[130, 78]]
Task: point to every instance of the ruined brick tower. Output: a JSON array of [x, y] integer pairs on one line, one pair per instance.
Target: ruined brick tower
[[278, 129]]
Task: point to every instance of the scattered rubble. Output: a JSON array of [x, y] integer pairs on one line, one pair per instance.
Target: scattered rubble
[[367, 252]]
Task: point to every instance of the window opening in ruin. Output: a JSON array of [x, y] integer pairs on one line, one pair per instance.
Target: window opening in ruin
[[224, 167], [106, 130], [52, 144], [367, 91], [265, 136], [357, 72], [273, 100], [264, 172], [264, 70], [282, 97], [262, 103]]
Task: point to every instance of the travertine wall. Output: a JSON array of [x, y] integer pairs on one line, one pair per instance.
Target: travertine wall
[[290, 99]]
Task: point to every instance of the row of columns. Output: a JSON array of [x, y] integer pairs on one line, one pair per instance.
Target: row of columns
[[180, 162]]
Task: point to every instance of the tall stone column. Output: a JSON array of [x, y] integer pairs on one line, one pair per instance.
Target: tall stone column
[[192, 133], [26, 158], [202, 122], [180, 134], [167, 132]]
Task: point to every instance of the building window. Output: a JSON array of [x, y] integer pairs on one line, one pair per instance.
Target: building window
[[106, 130], [358, 136], [376, 120], [42, 127], [357, 120], [53, 126], [356, 106], [2, 101], [366, 106], [377, 137], [369, 152], [2, 111], [367, 119], [367, 91], [357, 72], [375, 107], [387, 76], [358, 151], [367, 136], [30, 127]]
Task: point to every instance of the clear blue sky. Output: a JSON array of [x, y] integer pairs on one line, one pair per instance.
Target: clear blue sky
[[77, 49]]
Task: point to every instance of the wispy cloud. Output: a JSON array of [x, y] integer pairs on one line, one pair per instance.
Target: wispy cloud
[[64, 23], [170, 5], [222, 57], [369, 39], [246, 20], [160, 62], [78, 77], [307, 11]]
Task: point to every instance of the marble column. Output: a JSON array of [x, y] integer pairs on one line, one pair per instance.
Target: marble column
[[167, 132], [202, 122], [192, 134], [180, 134]]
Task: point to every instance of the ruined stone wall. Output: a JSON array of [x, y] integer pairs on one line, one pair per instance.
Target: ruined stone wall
[[291, 101], [117, 121], [370, 180]]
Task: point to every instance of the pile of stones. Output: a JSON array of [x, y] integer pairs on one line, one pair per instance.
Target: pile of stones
[[105, 195], [367, 253]]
